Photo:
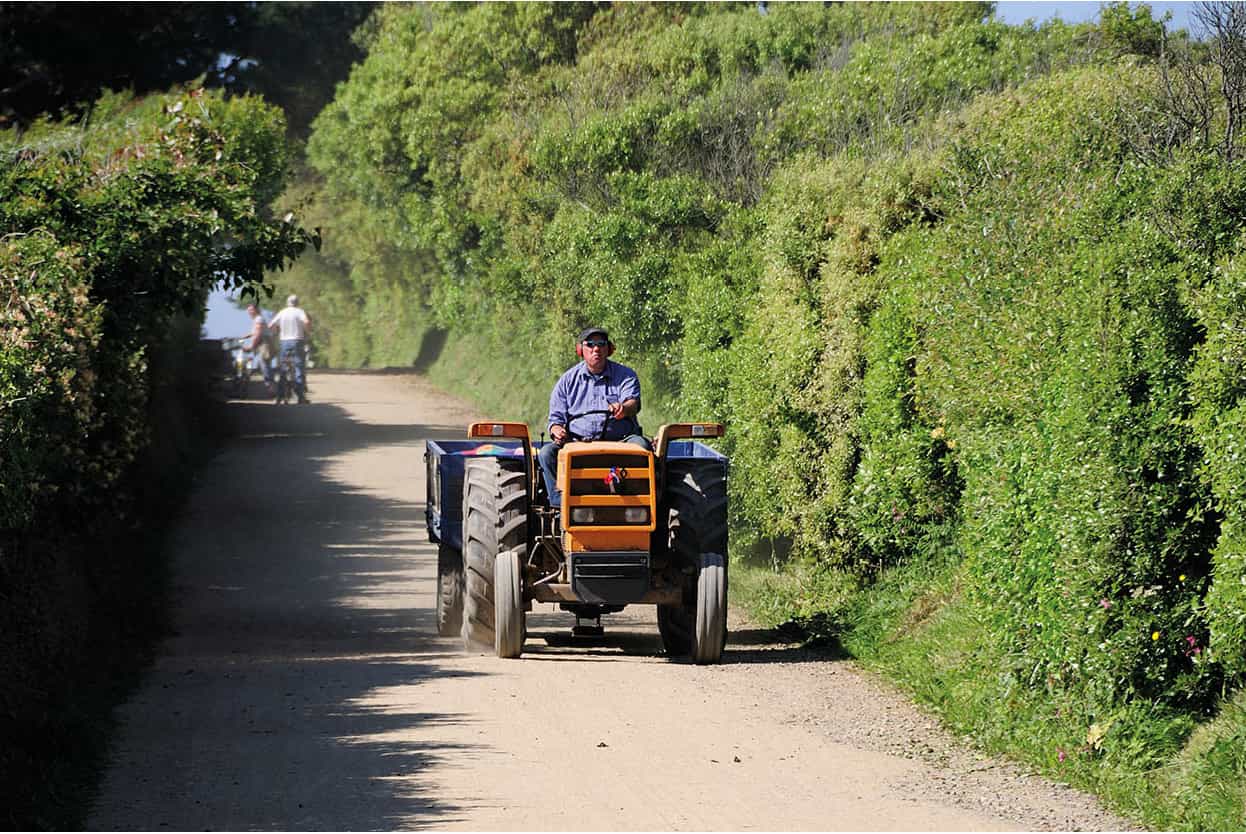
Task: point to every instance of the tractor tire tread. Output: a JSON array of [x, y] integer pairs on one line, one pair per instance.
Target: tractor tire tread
[[494, 522], [449, 590], [695, 503]]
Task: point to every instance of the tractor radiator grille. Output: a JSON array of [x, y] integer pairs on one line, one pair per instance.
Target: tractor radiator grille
[[591, 475]]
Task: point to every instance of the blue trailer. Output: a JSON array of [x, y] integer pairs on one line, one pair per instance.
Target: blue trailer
[[447, 461]]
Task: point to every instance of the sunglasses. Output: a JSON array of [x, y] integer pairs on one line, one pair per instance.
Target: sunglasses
[[595, 343]]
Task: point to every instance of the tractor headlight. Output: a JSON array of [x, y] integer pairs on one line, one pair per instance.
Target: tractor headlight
[[636, 515], [582, 515]]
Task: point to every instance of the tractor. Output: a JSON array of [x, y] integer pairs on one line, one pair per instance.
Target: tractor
[[634, 527]]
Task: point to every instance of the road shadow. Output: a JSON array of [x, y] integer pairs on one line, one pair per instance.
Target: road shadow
[[781, 645], [296, 628], [431, 345], [293, 614]]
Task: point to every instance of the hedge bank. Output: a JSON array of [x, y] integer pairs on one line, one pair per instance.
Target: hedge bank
[[967, 296], [115, 228]]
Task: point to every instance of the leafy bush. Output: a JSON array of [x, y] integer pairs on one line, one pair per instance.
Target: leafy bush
[[49, 331], [1218, 385], [976, 341], [116, 227]]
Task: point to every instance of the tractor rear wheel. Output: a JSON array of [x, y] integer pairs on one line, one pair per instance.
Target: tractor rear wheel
[[675, 630], [449, 590], [698, 628], [696, 509], [495, 522]]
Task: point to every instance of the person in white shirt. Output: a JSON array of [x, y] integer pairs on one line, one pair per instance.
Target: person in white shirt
[[293, 324]]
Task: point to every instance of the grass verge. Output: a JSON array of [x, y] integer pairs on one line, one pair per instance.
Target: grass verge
[[916, 628]]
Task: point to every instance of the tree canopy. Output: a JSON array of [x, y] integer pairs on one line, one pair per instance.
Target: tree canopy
[[57, 58], [964, 293]]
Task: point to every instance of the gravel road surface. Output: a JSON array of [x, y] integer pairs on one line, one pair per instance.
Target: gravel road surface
[[305, 687]]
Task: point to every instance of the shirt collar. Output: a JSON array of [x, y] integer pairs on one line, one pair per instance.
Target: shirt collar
[[585, 372]]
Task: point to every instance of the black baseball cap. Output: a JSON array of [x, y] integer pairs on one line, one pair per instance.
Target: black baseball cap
[[589, 331]]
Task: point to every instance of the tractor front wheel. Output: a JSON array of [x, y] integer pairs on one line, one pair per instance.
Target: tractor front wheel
[[508, 613], [698, 629], [709, 634]]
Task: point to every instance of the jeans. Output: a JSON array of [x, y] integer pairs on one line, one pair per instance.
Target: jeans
[[548, 458], [296, 350], [263, 365]]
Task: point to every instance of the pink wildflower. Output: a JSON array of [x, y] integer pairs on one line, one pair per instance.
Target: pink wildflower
[[1059, 754], [1106, 603]]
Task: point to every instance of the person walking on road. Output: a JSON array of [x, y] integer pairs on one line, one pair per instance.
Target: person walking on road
[[259, 344], [293, 324]]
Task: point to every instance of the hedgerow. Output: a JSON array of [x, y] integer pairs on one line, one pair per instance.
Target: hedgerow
[[49, 331], [112, 229], [115, 229], [967, 296]]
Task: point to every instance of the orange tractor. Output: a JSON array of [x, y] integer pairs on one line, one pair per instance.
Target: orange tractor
[[634, 527]]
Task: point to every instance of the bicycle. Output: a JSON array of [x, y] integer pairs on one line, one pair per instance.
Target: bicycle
[[240, 372], [285, 380]]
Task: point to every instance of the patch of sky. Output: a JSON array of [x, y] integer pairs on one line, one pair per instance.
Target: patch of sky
[[1019, 12], [225, 319]]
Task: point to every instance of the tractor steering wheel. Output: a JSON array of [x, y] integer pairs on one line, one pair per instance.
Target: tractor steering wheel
[[572, 417]]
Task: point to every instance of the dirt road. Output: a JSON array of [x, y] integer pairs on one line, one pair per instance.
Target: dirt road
[[306, 687]]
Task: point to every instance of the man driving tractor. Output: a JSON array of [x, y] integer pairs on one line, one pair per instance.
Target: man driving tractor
[[631, 525], [596, 399]]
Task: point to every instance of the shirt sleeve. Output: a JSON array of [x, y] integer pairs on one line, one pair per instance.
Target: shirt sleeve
[[629, 388]]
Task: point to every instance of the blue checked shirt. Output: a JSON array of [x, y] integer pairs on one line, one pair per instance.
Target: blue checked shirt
[[578, 391]]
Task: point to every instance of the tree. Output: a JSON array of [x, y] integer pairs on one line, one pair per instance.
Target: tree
[[1204, 81], [1225, 25], [295, 54], [57, 57]]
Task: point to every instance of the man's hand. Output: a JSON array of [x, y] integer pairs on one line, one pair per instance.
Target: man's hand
[[625, 409], [559, 433]]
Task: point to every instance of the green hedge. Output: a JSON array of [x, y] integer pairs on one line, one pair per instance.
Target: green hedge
[[113, 228], [116, 228], [974, 329]]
